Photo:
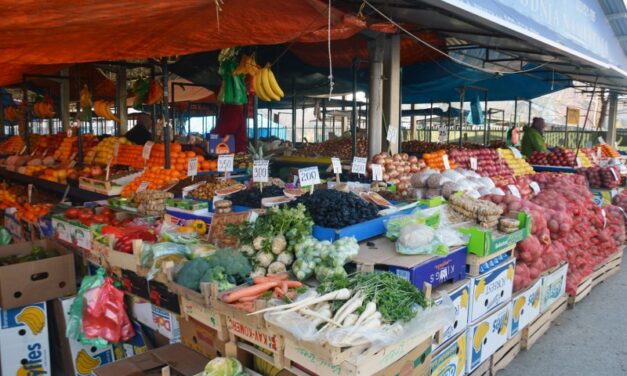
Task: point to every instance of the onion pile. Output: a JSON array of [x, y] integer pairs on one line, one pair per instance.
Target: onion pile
[[398, 168]]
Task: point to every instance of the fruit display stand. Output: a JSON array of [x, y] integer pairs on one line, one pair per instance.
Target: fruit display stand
[[536, 329], [106, 187]]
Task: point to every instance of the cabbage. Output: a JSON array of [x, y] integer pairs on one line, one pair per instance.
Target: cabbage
[[223, 367]]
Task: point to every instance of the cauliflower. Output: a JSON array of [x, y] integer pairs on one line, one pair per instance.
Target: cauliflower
[[258, 243], [264, 258], [247, 250], [259, 271], [303, 269], [279, 243], [276, 268], [286, 258]]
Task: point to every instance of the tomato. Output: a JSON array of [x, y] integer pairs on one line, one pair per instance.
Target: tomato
[[87, 221], [100, 218], [106, 211], [115, 222], [71, 213], [85, 214]]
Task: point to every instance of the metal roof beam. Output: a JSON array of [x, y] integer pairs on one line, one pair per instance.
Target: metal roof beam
[[616, 16]]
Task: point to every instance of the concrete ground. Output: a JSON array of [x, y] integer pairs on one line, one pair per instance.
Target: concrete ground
[[588, 340]]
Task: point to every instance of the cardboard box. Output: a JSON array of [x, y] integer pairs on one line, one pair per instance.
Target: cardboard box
[[553, 287], [460, 296], [491, 290], [24, 347], [74, 233], [486, 336], [156, 318], [181, 360], [73, 357], [417, 362], [201, 338], [525, 308], [450, 359], [418, 269], [36, 281], [161, 296]]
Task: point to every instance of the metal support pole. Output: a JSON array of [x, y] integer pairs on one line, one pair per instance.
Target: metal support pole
[[503, 126], [1, 115], [611, 124], [486, 125], [448, 126], [121, 99], [153, 110], [343, 117], [375, 105], [65, 99], [515, 112], [354, 109], [165, 112], [324, 119], [529, 114], [255, 120], [293, 110], [488, 121], [566, 128], [431, 122], [391, 87], [333, 123], [174, 129], [316, 129], [302, 121], [461, 113], [26, 128]]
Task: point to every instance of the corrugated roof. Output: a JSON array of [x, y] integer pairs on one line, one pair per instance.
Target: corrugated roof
[[616, 13]]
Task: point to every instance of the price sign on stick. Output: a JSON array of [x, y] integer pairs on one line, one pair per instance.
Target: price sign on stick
[[601, 140], [309, 176], [147, 148], [392, 135], [23, 150], [447, 165], [225, 163], [142, 187], [599, 152], [377, 172], [192, 166], [535, 187], [30, 193], [514, 190], [260, 171], [116, 149], [578, 160], [614, 174], [337, 165], [516, 152], [359, 165], [473, 163]]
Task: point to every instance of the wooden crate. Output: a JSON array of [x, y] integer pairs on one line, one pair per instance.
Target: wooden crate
[[535, 330], [483, 369], [245, 337], [107, 188], [202, 297], [205, 316], [607, 269], [474, 262], [110, 258], [506, 354], [583, 289]]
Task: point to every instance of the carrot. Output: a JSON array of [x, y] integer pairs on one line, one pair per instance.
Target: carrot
[[249, 298], [278, 293], [294, 284], [259, 279], [280, 277], [284, 287], [231, 297], [245, 306]]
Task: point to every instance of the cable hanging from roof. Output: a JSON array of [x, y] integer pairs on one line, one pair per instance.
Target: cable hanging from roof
[[427, 44]]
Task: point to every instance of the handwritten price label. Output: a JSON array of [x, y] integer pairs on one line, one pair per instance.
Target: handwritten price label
[[337, 165], [225, 163], [142, 186], [578, 160], [192, 166], [614, 173], [535, 187], [147, 149], [377, 172], [309, 176], [514, 190], [260, 171], [392, 135], [447, 164], [473, 163], [516, 152], [116, 149], [359, 165]]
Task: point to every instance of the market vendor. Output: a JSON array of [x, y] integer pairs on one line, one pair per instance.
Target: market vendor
[[232, 122], [533, 138]]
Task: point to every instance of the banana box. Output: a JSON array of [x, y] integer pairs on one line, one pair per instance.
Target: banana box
[[525, 308], [24, 347], [156, 318], [450, 359], [459, 293], [491, 289], [553, 287], [486, 336], [84, 358]]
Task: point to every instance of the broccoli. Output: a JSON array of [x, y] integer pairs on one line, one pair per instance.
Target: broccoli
[[191, 273], [235, 264], [218, 276]]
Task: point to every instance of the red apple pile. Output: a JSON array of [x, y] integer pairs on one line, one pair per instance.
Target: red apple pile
[[558, 157], [601, 177]]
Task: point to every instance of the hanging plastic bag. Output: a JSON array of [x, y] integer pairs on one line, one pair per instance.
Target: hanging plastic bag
[[5, 236], [75, 320], [104, 315]]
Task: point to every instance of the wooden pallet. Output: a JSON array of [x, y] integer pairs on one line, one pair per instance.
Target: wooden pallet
[[535, 330], [583, 289], [607, 269], [474, 262], [506, 354], [483, 369]]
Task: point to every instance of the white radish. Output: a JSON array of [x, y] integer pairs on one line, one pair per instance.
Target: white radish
[[350, 303], [350, 320], [370, 309], [341, 294], [315, 314], [350, 308], [326, 313], [372, 323]]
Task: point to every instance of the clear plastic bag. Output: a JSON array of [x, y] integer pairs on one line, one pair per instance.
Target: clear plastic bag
[[394, 224], [154, 255]]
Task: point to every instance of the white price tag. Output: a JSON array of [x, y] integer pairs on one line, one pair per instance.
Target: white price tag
[[473, 163], [535, 187], [225, 162], [71, 164], [578, 160], [442, 134], [30, 193], [45, 152], [308, 176], [337, 165], [392, 136], [142, 187], [614, 174], [359, 165], [377, 172], [23, 150], [601, 140], [516, 152], [447, 165], [599, 153], [69, 132], [260, 171], [147, 149], [192, 166], [514, 190], [116, 149], [73, 156]]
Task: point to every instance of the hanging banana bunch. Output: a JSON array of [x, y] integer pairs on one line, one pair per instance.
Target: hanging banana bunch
[[11, 114], [266, 86], [43, 108], [85, 101], [103, 109]]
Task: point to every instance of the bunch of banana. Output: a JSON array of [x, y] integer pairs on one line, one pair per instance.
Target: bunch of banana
[[103, 109], [43, 109], [85, 364], [85, 98], [11, 114], [33, 317], [266, 86]]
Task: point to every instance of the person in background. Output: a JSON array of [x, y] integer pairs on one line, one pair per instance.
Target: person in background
[[513, 135], [533, 138]]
